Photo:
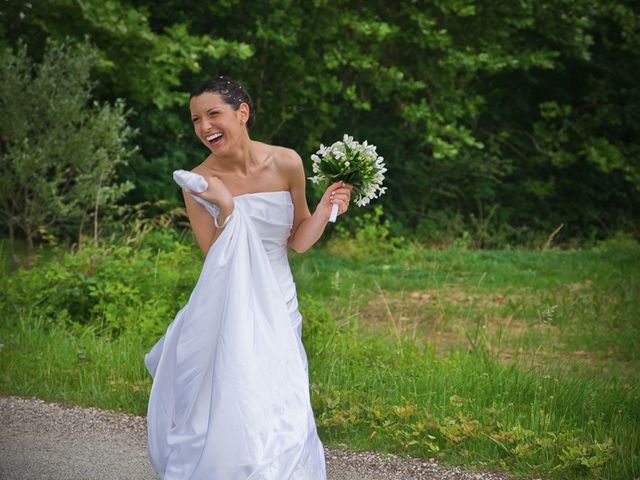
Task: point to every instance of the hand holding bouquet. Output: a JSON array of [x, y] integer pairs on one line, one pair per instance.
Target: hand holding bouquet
[[351, 162]]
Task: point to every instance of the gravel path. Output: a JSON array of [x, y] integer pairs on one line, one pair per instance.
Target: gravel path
[[41, 440]]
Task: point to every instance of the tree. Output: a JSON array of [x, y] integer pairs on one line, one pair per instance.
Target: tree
[[59, 150], [142, 62], [518, 115]]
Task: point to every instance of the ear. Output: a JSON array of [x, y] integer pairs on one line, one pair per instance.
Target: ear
[[244, 112]]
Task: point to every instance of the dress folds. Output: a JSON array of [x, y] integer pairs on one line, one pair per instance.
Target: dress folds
[[230, 394]]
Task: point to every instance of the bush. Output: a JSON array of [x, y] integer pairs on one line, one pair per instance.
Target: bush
[[620, 241], [112, 289], [59, 151], [365, 236]]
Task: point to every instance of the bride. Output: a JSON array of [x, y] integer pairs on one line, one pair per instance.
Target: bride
[[230, 395]]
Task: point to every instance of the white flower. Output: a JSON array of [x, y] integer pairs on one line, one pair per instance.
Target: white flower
[[349, 155]]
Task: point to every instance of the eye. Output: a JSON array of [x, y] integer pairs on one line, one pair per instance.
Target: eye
[[212, 113], [195, 119]]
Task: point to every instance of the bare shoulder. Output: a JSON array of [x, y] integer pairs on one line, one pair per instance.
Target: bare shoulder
[[286, 159], [290, 166], [201, 169], [283, 165]]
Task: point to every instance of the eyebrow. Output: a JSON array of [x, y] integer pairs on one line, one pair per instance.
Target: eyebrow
[[210, 109]]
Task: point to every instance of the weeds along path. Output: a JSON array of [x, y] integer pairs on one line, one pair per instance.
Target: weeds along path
[[41, 440]]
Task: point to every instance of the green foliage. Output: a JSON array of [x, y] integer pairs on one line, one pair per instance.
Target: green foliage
[[112, 290], [518, 305], [587, 457], [400, 397], [52, 361], [136, 61], [618, 242], [366, 236], [473, 105], [139, 60], [60, 151], [76, 325], [510, 118]]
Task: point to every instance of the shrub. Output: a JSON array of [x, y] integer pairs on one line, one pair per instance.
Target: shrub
[[113, 289], [59, 151]]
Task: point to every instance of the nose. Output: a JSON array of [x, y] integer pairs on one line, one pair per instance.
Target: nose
[[206, 124]]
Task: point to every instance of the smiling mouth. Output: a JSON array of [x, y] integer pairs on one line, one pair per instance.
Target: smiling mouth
[[214, 138]]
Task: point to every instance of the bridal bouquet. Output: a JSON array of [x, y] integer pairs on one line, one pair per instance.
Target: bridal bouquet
[[351, 162]]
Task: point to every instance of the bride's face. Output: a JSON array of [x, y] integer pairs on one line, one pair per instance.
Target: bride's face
[[216, 123]]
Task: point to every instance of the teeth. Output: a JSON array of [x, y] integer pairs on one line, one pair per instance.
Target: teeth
[[215, 136]]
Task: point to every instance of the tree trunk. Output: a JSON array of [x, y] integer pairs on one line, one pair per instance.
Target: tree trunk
[[81, 227], [13, 259], [96, 209]]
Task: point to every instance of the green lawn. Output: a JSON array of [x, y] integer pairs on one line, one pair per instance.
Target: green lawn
[[524, 361], [575, 309]]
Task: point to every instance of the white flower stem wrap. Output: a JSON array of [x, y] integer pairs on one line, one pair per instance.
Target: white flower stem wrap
[[351, 162]]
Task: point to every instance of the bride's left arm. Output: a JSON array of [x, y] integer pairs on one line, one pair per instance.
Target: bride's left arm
[[307, 228]]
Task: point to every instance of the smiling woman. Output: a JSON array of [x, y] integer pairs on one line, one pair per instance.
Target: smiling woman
[[212, 99], [230, 396], [221, 113]]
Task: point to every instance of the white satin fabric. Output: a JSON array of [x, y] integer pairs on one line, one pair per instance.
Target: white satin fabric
[[230, 395]]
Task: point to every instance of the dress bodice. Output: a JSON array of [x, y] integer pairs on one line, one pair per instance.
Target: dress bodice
[[271, 215]]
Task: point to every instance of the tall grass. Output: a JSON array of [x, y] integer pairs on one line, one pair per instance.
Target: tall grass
[[546, 307], [521, 361], [400, 396], [52, 362]]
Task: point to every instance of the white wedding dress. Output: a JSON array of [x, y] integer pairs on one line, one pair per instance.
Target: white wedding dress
[[230, 395]]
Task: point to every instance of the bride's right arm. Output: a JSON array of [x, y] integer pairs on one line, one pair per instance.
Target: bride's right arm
[[201, 223]]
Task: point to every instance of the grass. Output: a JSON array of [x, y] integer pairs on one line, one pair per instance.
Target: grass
[[50, 362], [467, 407], [521, 361], [553, 306]]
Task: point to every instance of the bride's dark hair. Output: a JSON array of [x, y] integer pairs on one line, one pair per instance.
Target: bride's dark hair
[[231, 91]]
